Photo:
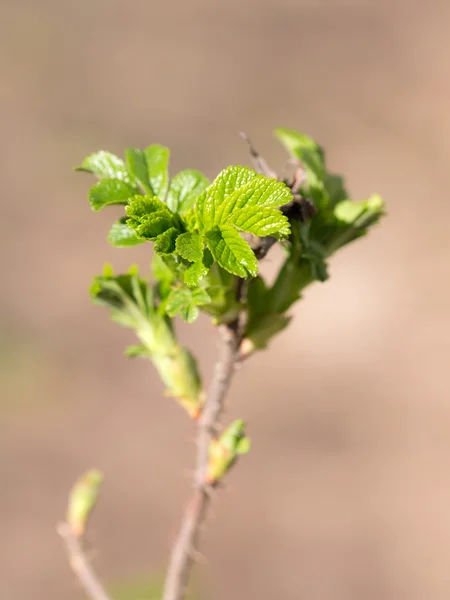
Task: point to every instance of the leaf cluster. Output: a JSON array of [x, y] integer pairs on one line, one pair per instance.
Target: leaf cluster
[[204, 233]]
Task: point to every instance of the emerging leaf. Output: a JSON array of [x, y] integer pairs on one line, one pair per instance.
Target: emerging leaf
[[190, 246], [195, 273], [184, 189], [137, 165], [157, 158], [224, 452], [165, 243], [82, 500], [110, 191], [105, 165], [121, 236], [184, 302]]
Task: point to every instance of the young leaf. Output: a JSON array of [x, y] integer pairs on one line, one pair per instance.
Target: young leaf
[[190, 246], [184, 189], [132, 304], [137, 165], [110, 191], [298, 144], [234, 191], [184, 302], [157, 158], [195, 273], [121, 236], [231, 252], [261, 221], [105, 165], [149, 217], [165, 243], [154, 225]]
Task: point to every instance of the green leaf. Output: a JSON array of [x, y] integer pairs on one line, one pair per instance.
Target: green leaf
[[157, 158], [138, 351], [225, 184], [121, 236], [298, 144], [195, 273], [110, 191], [261, 221], [105, 165], [184, 302], [141, 206], [137, 165], [231, 252], [154, 225], [165, 243], [235, 190], [184, 189], [360, 213], [190, 246]]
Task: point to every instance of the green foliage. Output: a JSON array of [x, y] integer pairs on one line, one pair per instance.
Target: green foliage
[[135, 304], [184, 302], [201, 234], [224, 452]]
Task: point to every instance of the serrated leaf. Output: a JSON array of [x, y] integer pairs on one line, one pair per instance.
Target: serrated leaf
[[261, 221], [149, 217], [110, 191], [154, 225], [184, 302], [137, 165], [165, 243], [184, 189], [241, 197], [105, 165], [225, 183], [190, 246], [260, 192], [140, 206], [195, 273], [157, 158], [231, 252], [121, 236]]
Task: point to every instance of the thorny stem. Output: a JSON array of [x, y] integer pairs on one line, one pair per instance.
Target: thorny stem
[[80, 564], [185, 546]]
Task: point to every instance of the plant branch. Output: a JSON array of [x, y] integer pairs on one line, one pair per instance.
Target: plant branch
[[185, 546], [80, 564]]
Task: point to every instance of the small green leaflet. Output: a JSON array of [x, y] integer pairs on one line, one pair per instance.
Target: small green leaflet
[[232, 252], [184, 302], [121, 236], [184, 189], [105, 165]]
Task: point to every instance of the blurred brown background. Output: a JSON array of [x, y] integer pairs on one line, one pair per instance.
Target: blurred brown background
[[346, 493]]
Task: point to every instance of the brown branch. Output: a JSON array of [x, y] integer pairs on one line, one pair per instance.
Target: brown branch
[[80, 564], [185, 547]]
